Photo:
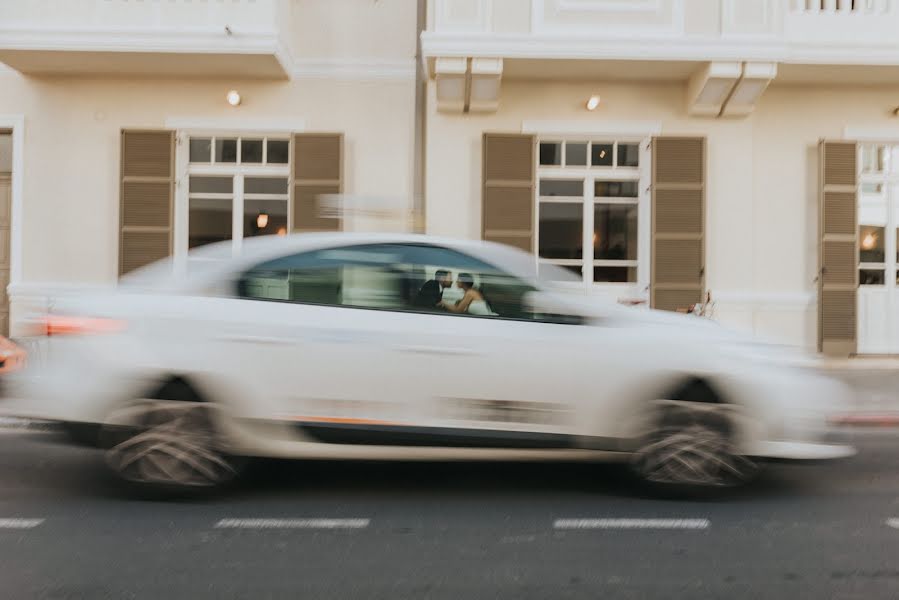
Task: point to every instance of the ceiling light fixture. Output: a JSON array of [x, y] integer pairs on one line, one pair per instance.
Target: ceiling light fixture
[[869, 241], [233, 97], [593, 103], [262, 220]]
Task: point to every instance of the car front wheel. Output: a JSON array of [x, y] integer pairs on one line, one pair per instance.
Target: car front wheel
[[691, 446]]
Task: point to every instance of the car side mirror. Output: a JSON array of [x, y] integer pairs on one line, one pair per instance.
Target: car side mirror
[[550, 307]]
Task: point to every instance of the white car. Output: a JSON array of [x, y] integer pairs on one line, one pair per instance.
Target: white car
[[340, 346]]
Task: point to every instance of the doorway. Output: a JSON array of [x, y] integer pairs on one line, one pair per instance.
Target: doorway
[[878, 234]]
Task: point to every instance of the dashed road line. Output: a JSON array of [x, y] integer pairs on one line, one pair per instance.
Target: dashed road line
[[20, 523], [894, 523], [292, 524], [631, 524]]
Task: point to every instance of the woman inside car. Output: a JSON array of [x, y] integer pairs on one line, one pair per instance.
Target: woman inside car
[[472, 303]]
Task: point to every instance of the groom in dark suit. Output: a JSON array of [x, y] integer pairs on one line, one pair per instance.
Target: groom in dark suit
[[431, 293]]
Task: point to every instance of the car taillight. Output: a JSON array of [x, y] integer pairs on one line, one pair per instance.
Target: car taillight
[[54, 325]]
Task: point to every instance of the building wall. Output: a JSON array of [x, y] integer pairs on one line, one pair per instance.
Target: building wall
[[761, 255]]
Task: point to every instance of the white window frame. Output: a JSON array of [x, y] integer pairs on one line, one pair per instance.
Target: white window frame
[[239, 171], [590, 174]]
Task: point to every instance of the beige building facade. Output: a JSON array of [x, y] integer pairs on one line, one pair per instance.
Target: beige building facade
[[665, 151]]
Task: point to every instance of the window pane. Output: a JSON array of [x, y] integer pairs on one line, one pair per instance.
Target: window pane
[[615, 274], [628, 155], [874, 158], [615, 189], [870, 277], [389, 277], [264, 217], [875, 189], [209, 221], [562, 187], [211, 185], [870, 242], [200, 150], [278, 152], [265, 185], [601, 155], [561, 230], [550, 153], [576, 154], [225, 151], [251, 151], [615, 232]]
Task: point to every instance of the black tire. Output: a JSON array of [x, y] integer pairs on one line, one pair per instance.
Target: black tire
[[169, 448], [690, 449]]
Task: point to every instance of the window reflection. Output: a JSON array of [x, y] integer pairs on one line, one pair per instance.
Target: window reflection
[[209, 221], [615, 232], [871, 244], [550, 154], [264, 217], [561, 230], [871, 277]]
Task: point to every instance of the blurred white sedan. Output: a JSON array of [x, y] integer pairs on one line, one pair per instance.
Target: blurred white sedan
[[334, 345]]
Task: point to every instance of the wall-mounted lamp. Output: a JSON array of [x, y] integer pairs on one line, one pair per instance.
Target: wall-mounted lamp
[[282, 231], [233, 97], [593, 103], [262, 220]]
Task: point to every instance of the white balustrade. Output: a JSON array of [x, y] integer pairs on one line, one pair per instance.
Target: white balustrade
[[840, 7]]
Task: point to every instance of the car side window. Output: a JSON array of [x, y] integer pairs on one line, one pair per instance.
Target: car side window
[[404, 277]]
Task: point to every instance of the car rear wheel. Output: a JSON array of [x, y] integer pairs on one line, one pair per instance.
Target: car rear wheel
[[168, 446], [690, 446]]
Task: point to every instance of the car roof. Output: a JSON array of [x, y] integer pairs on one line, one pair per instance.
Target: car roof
[[212, 262]]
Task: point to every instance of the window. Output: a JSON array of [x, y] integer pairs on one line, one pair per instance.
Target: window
[[589, 206], [388, 277], [236, 150], [238, 187]]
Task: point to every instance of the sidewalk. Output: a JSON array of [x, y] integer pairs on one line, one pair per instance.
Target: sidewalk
[[875, 382]]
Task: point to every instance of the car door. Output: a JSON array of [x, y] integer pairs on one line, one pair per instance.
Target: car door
[[353, 358]]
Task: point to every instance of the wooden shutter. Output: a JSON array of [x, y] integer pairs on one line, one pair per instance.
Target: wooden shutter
[[317, 170], [838, 252], [507, 205], [146, 197], [678, 222]]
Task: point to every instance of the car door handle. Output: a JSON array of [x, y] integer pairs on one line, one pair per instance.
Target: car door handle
[[257, 339], [439, 350]]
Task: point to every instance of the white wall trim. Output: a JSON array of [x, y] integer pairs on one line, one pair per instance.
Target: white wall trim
[[593, 127], [888, 133], [17, 124], [352, 68], [124, 39], [642, 45], [236, 124]]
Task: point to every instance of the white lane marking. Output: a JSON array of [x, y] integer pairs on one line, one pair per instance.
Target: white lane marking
[[894, 523], [20, 523], [292, 524], [631, 524]]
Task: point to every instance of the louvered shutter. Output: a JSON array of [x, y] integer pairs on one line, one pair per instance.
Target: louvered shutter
[[146, 196], [317, 171], [838, 252], [678, 222], [507, 203]]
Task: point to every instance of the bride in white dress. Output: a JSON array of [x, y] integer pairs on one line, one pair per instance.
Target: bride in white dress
[[472, 302]]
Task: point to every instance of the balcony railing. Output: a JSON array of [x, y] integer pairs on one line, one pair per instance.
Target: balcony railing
[[844, 6]]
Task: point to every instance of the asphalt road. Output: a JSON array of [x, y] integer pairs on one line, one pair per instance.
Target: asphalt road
[[411, 530]]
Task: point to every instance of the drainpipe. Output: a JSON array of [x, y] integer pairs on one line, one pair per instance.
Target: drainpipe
[[419, 126]]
